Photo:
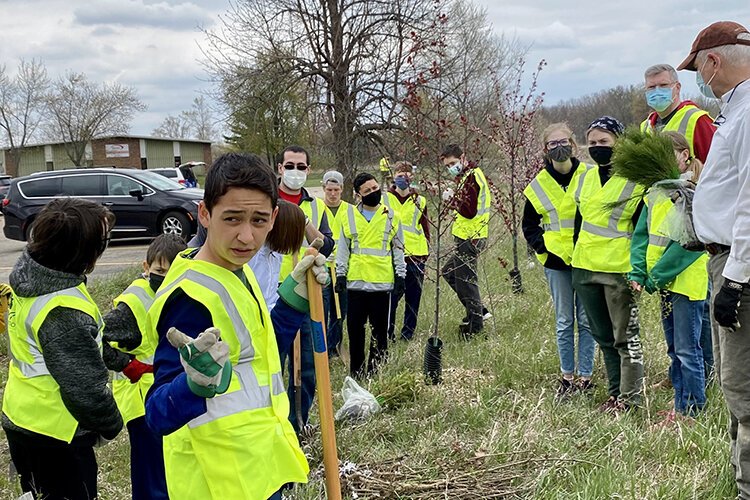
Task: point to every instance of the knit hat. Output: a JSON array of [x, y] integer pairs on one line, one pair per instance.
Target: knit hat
[[611, 125], [333, 176]]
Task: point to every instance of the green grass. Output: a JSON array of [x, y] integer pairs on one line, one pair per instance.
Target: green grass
[[495, 411]]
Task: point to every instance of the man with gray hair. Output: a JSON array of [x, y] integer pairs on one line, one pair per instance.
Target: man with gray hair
[[662, 89], [720, 56]]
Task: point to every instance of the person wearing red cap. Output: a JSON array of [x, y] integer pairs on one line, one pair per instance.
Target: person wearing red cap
[[720, 56]]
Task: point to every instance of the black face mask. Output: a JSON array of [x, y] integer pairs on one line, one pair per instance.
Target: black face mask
[[155, 281], [372, 199], [560, 154], [602, 155]]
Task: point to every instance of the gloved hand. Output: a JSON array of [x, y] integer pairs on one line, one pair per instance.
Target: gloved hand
[[5, 290], [205, 360], [340, 284], [294, 288], [727, 303], [135, 370], [399, 284], [448, 194]]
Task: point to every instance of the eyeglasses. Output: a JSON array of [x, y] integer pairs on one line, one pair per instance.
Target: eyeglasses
[[561, 142], [298, 166]]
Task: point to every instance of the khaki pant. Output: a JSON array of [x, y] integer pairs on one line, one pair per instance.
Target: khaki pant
[[731, 357]]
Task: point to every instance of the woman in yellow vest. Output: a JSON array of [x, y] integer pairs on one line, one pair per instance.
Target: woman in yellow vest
[[548, 228], [608, 206], [412, 208], [131, 358], [661, 264], [56, 405]]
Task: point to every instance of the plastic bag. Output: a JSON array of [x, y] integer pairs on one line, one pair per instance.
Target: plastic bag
[[678, 224], [359, 404]]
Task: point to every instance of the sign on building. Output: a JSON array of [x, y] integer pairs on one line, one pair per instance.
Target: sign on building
[[116, 150]]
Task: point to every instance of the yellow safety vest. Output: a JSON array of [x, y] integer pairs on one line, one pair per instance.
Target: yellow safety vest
[[604, 241], [415, 241], [478, 226], [130, 398], [385, 165], [335, 222], [683, 122], [243, 446], [693, 281], [32, 396], [558, 218], [314, 210], [371, 256]]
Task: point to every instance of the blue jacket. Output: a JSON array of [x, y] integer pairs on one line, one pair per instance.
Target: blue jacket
[[170, 403]]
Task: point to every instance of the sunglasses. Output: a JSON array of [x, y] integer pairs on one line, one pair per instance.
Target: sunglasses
[[298, 166]]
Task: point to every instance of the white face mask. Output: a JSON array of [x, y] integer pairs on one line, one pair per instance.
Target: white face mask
[[294, 179]]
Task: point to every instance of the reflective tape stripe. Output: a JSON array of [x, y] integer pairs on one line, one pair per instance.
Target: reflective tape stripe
[[314, 209], [247, 353], [682, 129], [617, 212], [483, 208], [605, 232], [554, 217], [140, 294], [377, 252], [387, 231], [579, 187], [568, 223], [250, 396], [415, 218], [565, 224], [353, 229], [658, 241], [483, 211], [409, 229], [38, 367]]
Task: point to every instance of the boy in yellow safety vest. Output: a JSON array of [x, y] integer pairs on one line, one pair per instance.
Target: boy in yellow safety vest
[[218, 397], [125, 353]]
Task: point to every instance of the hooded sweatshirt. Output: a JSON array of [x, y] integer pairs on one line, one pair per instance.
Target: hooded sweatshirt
[[67, 339]]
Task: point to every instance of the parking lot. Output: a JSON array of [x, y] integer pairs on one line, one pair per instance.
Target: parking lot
[[117, 257]]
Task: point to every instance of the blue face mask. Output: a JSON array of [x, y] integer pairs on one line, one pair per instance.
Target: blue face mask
[[659, 99], [401, 182], [704, 87], [455, 169]]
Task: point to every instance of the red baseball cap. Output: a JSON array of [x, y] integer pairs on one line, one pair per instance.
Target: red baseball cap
[[717, 34]]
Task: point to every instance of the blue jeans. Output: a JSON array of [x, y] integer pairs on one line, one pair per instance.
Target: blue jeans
[[566, 313], [413, 295], [682, 320], [335, 326]]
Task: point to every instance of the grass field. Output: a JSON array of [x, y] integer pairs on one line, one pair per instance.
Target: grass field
[[492, 429]]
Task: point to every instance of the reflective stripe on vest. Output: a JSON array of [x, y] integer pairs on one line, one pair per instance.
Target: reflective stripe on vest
[[415, 242], [477, 226], [370, 245], [683, 122], [611, 230], [384, 249], [312, 209]]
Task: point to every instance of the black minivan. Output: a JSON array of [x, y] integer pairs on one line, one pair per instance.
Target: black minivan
[[145, 204]]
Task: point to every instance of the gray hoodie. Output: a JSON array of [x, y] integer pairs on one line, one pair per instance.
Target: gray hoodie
[[67, 338]]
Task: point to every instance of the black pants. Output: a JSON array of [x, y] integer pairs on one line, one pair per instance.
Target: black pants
[[361, 307], [53, 469], [460, 272], [147, 477]]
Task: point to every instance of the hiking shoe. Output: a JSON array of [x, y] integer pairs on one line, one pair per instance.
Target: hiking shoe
[[606, 406], [468, 330], [486, 314], [566, 389], [618, 407], [585, 386]]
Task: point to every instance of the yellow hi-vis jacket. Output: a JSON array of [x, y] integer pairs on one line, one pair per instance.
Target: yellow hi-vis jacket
[[314, 210], [335, 221], [415, 241], [683, 122], [558, 218], [604, 240], [478, 226], [32, 398], [130, 398], [243, 446], [693, 281]]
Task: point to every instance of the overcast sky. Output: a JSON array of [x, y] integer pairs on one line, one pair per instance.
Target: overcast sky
[[153, 45]]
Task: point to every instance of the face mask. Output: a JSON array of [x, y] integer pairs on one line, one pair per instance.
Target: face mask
[[372, 199], [454, 169], [659, 99], [705, 87], [602, 155], [401, 182], [155, 281], [560, 154], [294, 179]]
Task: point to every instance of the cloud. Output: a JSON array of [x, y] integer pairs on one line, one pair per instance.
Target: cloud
[[553, 36], [179, 16]]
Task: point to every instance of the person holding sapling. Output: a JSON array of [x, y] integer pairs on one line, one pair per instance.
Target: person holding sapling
[[661, 264]]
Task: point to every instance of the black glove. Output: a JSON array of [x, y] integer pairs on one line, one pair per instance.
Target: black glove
[[555, 262], [727, 303], [340, 284], [399, 285]]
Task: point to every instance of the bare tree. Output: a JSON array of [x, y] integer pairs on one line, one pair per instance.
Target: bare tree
[[82, 110], [353, 50], [203, 119], [23, 104], [176, 127]]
